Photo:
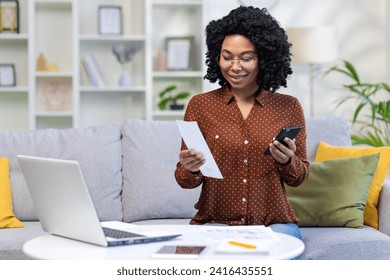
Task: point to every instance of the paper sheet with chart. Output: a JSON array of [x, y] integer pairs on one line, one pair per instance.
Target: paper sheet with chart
[[194, 140]]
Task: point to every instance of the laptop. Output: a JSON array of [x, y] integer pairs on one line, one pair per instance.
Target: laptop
[[65, 207]]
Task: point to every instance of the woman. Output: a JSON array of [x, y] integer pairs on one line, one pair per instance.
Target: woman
[[249, 55]]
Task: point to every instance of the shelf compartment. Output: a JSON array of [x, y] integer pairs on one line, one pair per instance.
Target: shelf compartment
[[177, 2], [113, 107], [16, 52], [54, 114], [59, 74], [168, 113], [101, 52], [44, 121], [178, 74], [54, 95], [191, 84], [14, 89], [178, 19], [139, 89], [53, 2], [112, 38], [55, 43], [13, 37], [131, 12], [14, 109]]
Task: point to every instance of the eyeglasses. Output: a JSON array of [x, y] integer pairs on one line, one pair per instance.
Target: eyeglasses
[[245, 61]]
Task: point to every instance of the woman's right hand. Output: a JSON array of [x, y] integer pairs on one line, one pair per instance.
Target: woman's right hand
[[191, 160]]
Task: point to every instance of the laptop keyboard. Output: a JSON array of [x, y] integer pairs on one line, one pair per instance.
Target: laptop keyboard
[[119, 234]]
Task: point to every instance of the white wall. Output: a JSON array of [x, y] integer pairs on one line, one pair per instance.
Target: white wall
[[362, 39]]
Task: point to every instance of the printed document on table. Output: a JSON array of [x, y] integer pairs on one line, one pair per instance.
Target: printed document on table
[[244, 239], [194, 140]]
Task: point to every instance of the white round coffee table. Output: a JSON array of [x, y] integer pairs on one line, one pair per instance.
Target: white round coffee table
[[55, 247]]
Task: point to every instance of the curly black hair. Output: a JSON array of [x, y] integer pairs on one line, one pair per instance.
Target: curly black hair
[[270, 40]]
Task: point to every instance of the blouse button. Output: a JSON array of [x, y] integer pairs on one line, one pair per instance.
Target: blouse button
[[244, 199], [246, 142], [216, 136], [245, 180], [243, 220], [245, 161]]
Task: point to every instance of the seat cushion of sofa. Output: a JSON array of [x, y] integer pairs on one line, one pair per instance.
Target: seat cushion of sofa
[[12, 240], [342, 243]]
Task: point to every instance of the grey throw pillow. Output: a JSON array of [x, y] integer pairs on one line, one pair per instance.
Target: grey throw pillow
[[150, 154], [98, 149]]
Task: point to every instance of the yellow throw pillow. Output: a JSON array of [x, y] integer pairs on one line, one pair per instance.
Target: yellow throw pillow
[[7, 217], [328, 152]]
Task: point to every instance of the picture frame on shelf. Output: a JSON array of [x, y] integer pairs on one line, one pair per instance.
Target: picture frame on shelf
[[7, 75], [178, 53], [110, 20], [9, 16], [56, 96]]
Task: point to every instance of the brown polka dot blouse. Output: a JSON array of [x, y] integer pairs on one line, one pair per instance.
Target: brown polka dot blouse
[[252, 190]]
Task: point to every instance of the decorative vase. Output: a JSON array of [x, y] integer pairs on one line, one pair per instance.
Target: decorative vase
[[125, 79]]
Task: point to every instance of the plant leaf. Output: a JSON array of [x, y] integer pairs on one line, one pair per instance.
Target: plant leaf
[[167, 90], [357, 111], [385, 87], [353, 73], [163, 104], [370, 139], [181, 95]]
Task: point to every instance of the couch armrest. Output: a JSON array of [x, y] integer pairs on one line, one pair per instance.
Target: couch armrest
[[384, 208]]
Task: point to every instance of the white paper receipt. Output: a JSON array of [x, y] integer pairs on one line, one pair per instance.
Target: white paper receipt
[[194, 140]]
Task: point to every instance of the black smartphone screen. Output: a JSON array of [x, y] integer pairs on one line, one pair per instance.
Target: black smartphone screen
[[179, 251], [289, 132]]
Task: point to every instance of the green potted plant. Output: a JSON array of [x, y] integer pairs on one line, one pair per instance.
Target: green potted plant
[[374, 121], [167, 96]]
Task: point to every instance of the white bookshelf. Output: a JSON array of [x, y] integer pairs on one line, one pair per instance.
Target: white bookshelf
[[169, 19], [67, 30], [53, 32], [14, 100]]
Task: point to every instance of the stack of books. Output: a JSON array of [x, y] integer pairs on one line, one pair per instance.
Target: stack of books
[[90, 72]]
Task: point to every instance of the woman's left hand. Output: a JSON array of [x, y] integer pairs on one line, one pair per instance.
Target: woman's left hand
[[282, 153]]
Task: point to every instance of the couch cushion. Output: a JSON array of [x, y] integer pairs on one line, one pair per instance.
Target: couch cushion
[[343, 243], [7, 216], [12, 240], [332, 130], [384, 208], [150, 154], [327, 152], [98, 149], [335, 192]]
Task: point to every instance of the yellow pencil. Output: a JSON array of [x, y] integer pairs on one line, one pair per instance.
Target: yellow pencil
[[244, 245]]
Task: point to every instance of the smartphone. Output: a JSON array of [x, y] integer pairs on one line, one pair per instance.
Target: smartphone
[[179, 252], [289, 132]]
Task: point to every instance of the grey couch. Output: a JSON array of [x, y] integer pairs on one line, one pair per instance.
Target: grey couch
[[129, 171]]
